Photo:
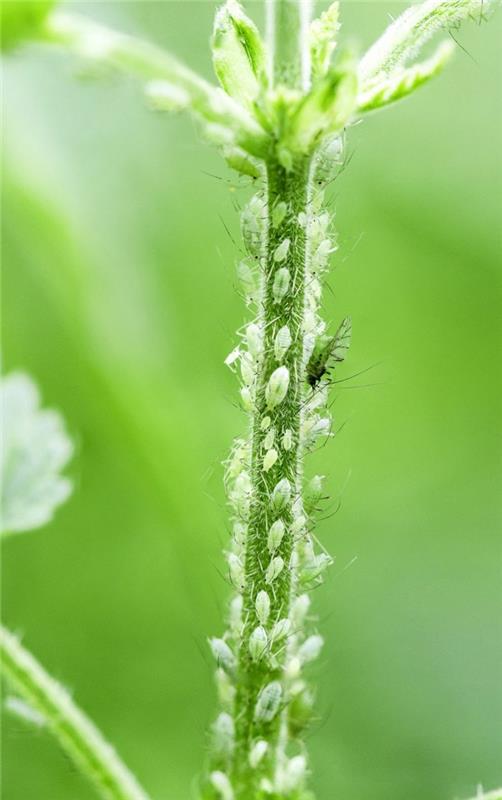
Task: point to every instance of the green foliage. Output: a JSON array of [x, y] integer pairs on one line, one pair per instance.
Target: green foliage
[[238, 53], [291, 138], [22, 20]]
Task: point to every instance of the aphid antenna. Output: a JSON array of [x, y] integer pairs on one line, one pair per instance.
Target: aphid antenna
[[229, 234]]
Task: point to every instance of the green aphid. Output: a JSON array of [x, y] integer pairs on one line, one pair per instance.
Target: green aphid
[[335, 349]]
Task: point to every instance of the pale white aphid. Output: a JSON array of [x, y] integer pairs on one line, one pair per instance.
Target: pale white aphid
[[257, 752], [222, 653], [311, 648], [258, 643], [268, 702], [274, 569], [282, 342], [275, 535], [281, 494], [221, 782], [277, 387], [262, 605], [269, 459], [281, 283], [223, 733], [282, 250]]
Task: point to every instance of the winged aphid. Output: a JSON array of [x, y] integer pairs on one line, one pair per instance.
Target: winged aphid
[[334, 349]]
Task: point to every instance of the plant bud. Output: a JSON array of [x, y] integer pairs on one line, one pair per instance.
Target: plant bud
[[268, 702], [277, 387], [275, 535], [238, 54]]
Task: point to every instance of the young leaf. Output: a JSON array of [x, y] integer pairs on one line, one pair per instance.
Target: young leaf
[[323, 32], [407, 35], [238, 53], [326, 109], [404, 82]]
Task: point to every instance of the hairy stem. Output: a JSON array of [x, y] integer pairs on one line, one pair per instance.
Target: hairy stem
[[76, 734], [288, 42], [292, 189]]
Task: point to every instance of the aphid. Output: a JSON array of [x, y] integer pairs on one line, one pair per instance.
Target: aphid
[[258, 751], [335, 349], [268, 703]]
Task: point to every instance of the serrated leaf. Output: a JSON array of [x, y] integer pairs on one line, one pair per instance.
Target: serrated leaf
[[35, 450], [323, 32], [403, 82], [406, 36]]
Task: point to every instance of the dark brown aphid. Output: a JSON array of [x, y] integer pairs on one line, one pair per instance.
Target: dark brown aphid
[[334, 349]]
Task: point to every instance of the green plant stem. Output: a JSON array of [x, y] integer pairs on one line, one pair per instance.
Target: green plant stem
[[76, 734], [292, 188], [288, 42], [147, 62]]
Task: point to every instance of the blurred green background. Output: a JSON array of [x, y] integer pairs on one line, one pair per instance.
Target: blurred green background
[[120, 299]]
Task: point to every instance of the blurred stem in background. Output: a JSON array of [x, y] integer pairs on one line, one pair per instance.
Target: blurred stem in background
[[74, 731]]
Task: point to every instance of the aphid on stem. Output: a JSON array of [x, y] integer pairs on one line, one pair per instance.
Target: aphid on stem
[[334, 349]]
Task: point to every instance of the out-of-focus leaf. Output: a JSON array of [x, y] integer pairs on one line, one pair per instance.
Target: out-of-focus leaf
[[35, 447], [22, 19]]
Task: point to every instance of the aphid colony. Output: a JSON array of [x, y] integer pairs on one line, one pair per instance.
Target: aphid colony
[[282, 643]]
